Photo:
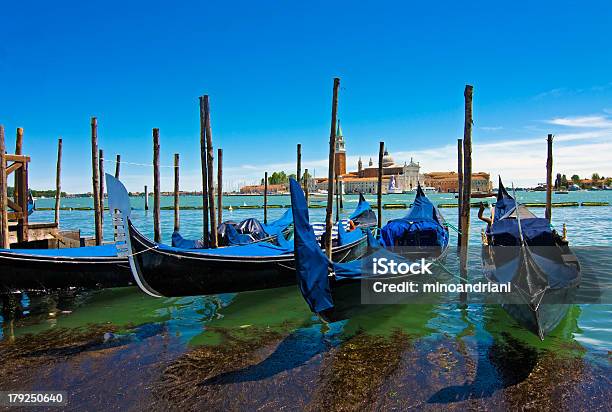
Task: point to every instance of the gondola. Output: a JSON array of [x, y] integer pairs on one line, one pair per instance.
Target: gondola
[[522, 249], [47, 269], [334, 290], [161, 270]]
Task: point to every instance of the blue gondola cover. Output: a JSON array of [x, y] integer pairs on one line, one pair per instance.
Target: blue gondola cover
[[422, 226], [312, 265]]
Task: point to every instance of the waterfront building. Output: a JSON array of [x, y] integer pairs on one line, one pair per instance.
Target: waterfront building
[[446, 182], [364, 179]]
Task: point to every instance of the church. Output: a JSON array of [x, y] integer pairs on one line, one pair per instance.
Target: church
[[365, 179]]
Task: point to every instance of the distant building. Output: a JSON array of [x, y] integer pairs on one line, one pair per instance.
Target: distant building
[[364, 180], [448, 181], [340, 157]]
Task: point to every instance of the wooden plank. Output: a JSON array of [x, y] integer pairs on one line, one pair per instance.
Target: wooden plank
[[95, 180], [13, 205], [58, 181], [17, 158], [156, 188], [13, 167], [331, 169]]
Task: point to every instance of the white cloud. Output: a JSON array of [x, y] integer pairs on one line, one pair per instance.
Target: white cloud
[[593, 121]]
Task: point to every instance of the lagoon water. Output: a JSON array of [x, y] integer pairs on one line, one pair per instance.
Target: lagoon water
[[118, 348]]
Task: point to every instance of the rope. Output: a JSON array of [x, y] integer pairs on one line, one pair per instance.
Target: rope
[[135, 164], [142, 251], [437, 263], [453, 227]]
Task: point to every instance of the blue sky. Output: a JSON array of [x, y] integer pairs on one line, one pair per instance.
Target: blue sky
[[268, 68]]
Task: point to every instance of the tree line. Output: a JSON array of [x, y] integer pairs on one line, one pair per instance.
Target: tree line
[[36, 193], [282, 178], [596, 179]]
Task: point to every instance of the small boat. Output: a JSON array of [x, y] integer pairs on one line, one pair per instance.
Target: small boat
[[424, 189], [561, 192], [479, 195], [523, 250], [162, 270], [49, 269], [333, 290]]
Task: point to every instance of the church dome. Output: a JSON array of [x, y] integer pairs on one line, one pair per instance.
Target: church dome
[[387, 159]]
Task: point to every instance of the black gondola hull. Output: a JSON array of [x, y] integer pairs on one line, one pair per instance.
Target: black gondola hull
[[540, 318], [170, 273], [347, 294], [20, 272]]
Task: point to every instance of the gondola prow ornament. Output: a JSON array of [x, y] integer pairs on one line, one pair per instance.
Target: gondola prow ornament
[[120, 209]]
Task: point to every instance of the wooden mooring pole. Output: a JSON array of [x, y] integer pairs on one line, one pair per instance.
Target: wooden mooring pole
[[4, 228], [331, 169], [549, 171], [18, 175], [177, 206], [58, 182], [156, 187], [210, 170], [298, 175], [467, 185], [459, 188], [381, 151], [146, 197], [117, 166], [305, 177], [19, 141], [220, 185], [20, 193], [337, 186], [265, 205], [96, 180], [204, 165], [102, 179]]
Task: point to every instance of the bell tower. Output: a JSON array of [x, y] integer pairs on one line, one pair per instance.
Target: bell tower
[[340, 159]]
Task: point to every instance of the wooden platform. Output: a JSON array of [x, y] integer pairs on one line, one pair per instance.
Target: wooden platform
[[37, 232]]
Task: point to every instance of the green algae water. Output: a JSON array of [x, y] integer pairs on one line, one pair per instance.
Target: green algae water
[[265, 350]]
